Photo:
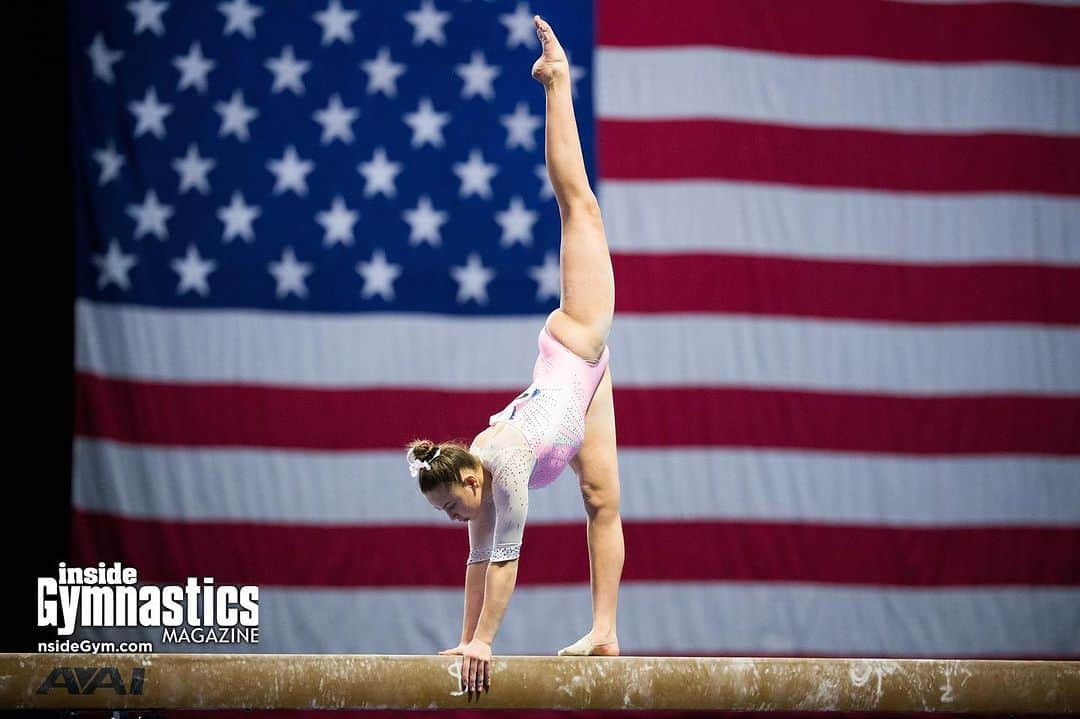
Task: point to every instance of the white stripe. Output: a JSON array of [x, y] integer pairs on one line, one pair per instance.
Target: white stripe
[[759, 219], [646, 350], [698, 82], [712, 485], [675, 618]]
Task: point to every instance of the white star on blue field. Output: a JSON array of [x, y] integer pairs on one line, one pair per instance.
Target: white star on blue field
[[334, 156]]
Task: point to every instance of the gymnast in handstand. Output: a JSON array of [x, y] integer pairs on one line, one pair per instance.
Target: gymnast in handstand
[[566, 416]]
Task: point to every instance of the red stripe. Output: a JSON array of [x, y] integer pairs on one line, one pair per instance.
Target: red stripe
[[381, 556], [868, 28], [343, 419], [263, 416], [848, 290], [868, 159], [496, 713]]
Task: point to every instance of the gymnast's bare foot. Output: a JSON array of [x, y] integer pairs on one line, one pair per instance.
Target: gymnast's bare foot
[[552, 66], [594, 645]]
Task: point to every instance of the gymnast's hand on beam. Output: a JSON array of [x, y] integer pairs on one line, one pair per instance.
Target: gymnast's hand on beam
[[476, 666], [459, 649]]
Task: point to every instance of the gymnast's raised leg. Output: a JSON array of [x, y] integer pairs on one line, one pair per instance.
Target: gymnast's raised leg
[[582, 323]]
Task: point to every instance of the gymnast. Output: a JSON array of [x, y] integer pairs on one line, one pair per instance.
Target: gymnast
[[566, 416]]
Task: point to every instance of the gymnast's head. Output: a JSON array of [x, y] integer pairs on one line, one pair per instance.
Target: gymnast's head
[[450, 478]]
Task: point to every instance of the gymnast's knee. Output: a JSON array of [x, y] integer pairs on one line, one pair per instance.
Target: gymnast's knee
[[601, 498]]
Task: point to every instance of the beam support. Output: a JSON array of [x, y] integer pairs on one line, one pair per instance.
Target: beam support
[[323, 681]]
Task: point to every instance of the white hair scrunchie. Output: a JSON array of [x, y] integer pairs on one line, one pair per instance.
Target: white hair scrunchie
[[415, 465]]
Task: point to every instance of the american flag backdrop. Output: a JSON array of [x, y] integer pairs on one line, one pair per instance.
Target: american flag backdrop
[[846, 352]]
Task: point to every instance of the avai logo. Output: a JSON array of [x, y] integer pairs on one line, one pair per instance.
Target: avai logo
[[87, 680], [110, 596]]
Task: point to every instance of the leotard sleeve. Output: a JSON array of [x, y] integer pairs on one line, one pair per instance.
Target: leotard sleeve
[[496, 534]]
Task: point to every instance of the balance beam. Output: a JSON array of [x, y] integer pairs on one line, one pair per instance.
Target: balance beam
[[323, 681]]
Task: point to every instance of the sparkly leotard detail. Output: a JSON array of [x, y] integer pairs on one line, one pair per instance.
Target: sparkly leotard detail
[[496, 533], [550, 413], [550, 417]]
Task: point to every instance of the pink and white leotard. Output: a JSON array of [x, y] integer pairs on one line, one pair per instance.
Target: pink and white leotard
[[550, 415]]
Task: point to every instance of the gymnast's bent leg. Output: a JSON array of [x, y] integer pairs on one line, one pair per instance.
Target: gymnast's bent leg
[[582, 323], [597, 469]]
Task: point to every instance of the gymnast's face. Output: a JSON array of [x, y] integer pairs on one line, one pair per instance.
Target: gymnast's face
[[460, 501]]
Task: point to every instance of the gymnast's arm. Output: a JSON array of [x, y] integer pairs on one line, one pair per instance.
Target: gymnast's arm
[[501, 578], [481, 531], [510, 473]]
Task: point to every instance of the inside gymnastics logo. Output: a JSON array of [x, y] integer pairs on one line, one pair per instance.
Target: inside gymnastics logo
[[110, 597]]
